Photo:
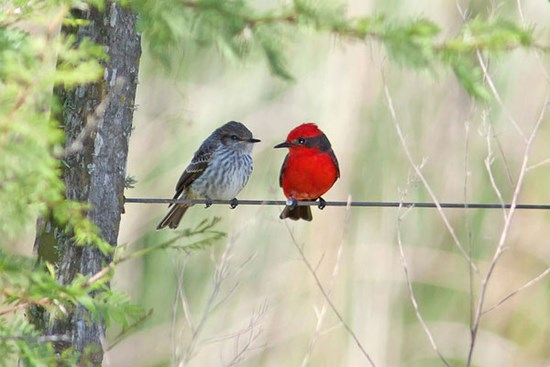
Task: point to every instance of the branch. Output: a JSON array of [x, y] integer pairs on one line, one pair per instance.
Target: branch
[[41, 302], [253, 334], [202, 228], [38, 339], [488, 166], [523, 287], [505, 230], [124, 332], [421, 175], [321, 314], [411, 292], [327, 296], [494, 90], [221, 274]]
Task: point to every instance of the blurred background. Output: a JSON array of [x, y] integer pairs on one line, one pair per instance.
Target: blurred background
[[250, 299]]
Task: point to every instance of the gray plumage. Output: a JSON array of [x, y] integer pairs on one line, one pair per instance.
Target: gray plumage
[[219, 170]]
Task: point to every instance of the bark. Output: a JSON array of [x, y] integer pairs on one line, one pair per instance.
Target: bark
[[95, 173]]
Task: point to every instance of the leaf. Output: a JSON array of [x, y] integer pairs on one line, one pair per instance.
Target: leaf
[[273, 53], [471, 79], [411, 44]]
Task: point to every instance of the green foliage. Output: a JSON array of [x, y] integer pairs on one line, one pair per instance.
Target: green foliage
[[116, 307], [470, 77], [270, 45], [31, 184], [237, 31], [31, 140], [205, 229], [195, 25], [21, 283], [19, 338], [493, 35], [327, 15], [411, 43]]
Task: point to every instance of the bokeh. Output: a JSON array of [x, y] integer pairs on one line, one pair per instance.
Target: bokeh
[[250, 299]]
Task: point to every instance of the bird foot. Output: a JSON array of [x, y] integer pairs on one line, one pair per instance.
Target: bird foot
[[208, 203], [322, 203], [292, 203], [233, 203]]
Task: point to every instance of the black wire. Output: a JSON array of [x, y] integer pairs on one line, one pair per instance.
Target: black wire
[[379, 204]]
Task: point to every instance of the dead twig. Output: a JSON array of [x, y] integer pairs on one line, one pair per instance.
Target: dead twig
[[505, 230], [327, 296], [320, 314], [421, 176], [522, 288], [411, 291]]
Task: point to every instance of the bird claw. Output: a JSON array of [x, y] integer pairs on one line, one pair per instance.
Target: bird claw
[[233, 203], [322, 203], [292, 203], [208, 203]]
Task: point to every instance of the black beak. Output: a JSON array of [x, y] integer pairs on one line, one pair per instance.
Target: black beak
[[253, 140], [282, 145]]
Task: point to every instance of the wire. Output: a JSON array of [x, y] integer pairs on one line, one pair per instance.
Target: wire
[[378, 204]]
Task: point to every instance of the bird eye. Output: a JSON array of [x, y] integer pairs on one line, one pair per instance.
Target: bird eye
[[301, 141], [234, 137]]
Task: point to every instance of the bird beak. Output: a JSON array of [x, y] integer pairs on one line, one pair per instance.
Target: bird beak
[[253, 140], [282, 145]]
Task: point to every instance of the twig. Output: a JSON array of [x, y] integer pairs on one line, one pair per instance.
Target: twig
[[124, 332], [261, 310], [221, 274], [38, 339], [411, 291], [507, 169], [495, 93], [234, 287], [512, 294], [40, 302], [537, 52], [421, 175], [488, 166], [326, 295], [504, 234], [322, 313], [464, 15], [176, 331], [467, 221], [253, 332], [537, 165], [105, 271]]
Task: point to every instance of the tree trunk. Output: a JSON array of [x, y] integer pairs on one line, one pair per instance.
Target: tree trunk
[[95, 172]]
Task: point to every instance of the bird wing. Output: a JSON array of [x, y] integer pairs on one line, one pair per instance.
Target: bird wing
[[283, 168], [322, 143], [333, 156], [199, 163]]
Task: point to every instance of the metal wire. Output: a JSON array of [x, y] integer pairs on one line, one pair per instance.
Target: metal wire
[[378, 204]]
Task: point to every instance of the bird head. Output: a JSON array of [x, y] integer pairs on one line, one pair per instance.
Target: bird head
[[306, 137], [236, 136]]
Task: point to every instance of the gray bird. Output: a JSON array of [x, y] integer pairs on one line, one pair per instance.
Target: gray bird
[[219, 170]]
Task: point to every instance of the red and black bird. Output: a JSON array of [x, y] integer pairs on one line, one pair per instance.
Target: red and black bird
[[309, 170]]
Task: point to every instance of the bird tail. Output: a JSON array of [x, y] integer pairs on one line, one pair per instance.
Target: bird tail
[[173, 218], [296, 213]]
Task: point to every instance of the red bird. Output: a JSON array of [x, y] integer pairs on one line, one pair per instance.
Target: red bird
[[309, 170]]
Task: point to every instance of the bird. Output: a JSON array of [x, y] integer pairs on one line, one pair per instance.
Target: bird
[[219, 170], [309, 170]]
